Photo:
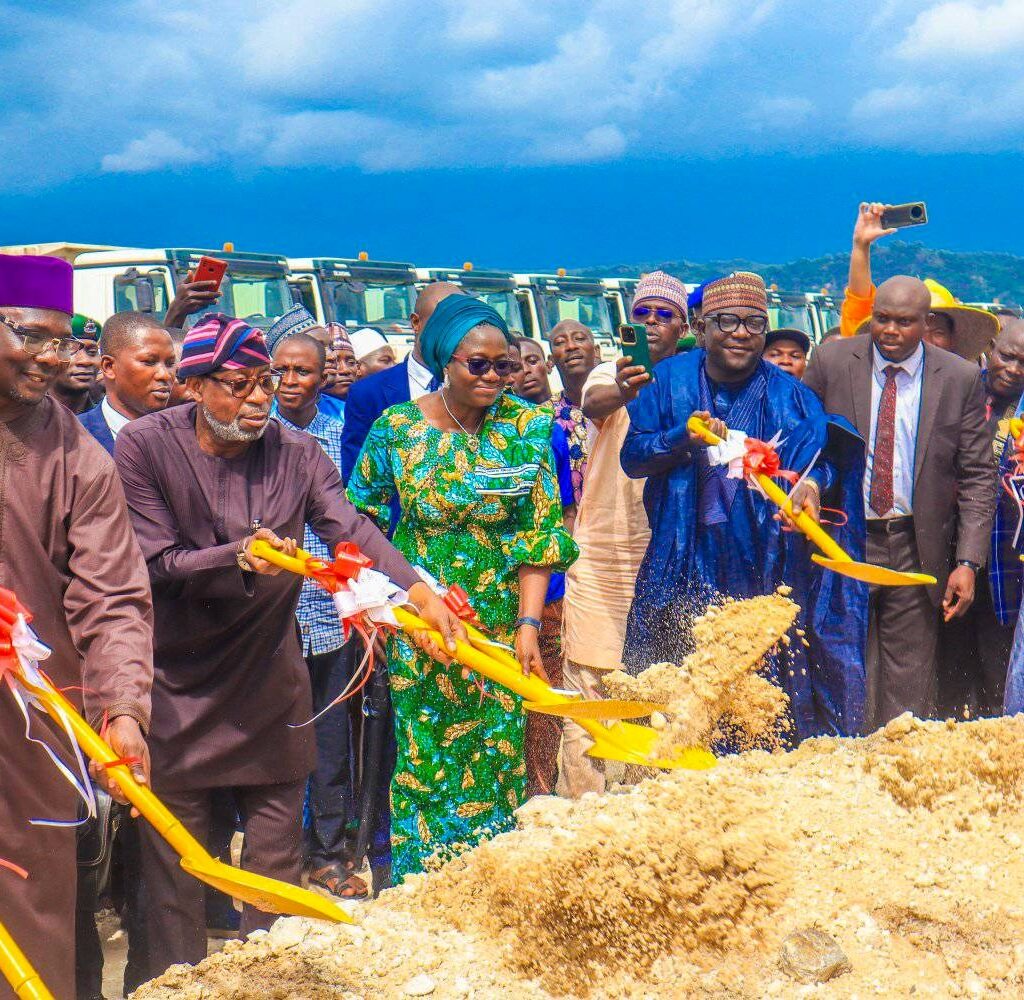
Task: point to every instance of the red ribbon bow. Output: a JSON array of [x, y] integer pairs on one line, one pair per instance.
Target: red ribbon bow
[[10, 608], [457, 601], [346, 565], [761, 459]]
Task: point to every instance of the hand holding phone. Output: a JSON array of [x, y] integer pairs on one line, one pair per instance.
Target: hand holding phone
[[209, 269], [914, 213]]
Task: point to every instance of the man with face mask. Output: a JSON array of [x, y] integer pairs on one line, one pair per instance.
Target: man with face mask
[[203, 482], [713, 537]]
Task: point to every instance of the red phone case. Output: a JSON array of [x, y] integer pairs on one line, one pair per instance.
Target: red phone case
[[209, 269]]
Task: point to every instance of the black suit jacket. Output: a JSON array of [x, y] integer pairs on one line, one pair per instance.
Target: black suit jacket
[[955, 473]]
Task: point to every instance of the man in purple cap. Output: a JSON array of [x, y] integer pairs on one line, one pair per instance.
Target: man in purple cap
[[230, 692], [68, 552]]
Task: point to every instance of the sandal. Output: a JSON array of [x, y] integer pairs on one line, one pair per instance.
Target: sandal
[[340, 884]]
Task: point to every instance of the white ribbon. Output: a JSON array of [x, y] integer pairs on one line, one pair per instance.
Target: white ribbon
[[730, 452], [373, 594], [30, 650]]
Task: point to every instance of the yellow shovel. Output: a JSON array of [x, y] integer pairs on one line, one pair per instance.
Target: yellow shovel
[[620, 741], [266, 894], [18, 971], [835, 558]]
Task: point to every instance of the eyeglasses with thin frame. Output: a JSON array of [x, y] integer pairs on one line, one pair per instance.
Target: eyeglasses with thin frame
[[755, 324], [478, 367], [660, 312], [241, 388], [34, 343]]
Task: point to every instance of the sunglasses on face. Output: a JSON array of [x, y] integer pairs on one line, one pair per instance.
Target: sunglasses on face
[[241, 388], [34, 343], [660, 313], [478, 367], [754, 324]]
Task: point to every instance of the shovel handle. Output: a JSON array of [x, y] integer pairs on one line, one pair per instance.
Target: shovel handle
[[294, 564], [780, 498], [18, 970], [98, 750]]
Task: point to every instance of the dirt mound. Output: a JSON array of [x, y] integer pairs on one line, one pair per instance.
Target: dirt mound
[[903, 848]]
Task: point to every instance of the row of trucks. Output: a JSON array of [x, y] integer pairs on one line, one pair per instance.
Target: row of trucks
[[359, 292]]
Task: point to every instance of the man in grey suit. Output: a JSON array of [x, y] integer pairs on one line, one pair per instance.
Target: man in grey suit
[[929, 487]]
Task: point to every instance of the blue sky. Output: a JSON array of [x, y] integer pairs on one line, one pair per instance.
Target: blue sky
[[510, 132]]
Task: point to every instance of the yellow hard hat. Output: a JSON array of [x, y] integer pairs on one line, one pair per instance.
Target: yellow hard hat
[[973, 329]]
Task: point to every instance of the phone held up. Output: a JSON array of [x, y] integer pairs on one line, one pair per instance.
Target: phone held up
[[633, 340], [209, 269], [914, 213]]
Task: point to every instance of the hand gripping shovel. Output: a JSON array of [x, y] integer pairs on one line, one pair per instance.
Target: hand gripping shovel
[[835, 558], [18, 971], [620, 741], [264, 893]]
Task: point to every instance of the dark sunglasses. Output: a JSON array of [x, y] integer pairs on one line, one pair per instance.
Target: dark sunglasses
[[33, 343], [665, 315], [754, 324], [478, 367], [240, 388]]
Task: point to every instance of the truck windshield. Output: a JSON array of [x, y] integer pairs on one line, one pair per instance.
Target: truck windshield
[[358, 303], [791, 317], [590, 310], [246, 295], [505, 303]]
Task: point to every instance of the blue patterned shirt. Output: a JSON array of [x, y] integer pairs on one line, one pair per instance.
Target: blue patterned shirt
[[318, 618]]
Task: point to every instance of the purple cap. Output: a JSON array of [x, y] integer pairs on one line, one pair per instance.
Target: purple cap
[[36, 283]]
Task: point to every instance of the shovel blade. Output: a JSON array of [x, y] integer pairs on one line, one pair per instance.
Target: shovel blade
[[600, 709], [634, 744], [264, 893], [879, 575]]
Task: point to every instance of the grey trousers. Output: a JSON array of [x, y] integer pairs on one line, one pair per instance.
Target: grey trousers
[[903, 631]]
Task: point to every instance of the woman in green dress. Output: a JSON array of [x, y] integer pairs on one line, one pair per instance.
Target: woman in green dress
[[473, 470]]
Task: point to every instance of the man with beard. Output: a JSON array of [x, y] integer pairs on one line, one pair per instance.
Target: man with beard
[[68, 552], [76, 384], [204, 481], [137, 359]]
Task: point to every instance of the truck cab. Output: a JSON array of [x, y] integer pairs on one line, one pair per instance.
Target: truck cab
[[621, 292], [793, 311], [497, 288], [358, 292], [111, 279], [554, 297]]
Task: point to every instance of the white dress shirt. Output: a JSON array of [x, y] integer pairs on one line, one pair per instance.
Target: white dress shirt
[[908, 407], [419, 377], [115, 421]]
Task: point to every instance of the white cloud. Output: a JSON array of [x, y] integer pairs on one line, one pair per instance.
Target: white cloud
[[899, 99], [604, 142], [153, 151], [961, 30]]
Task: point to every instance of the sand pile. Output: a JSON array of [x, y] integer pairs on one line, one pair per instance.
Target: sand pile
[[904, 849], [717, 694]]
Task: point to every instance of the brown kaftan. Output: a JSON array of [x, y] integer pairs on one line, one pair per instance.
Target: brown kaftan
[[230, 678], [68, 551]]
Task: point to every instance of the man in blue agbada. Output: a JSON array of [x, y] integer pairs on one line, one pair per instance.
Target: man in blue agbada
[[712, 536]]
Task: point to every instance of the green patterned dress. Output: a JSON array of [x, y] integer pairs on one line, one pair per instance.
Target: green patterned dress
[[474, 509]]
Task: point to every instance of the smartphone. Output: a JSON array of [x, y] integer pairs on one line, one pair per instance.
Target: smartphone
[[633, 340], [900, 216], [209, 269]]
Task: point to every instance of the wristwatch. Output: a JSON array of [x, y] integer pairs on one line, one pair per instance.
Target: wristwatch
[[971, 565], [243, 563]]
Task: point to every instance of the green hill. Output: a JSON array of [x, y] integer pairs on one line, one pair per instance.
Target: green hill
[[983, 276]]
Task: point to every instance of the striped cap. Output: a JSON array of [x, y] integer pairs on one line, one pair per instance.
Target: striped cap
[[221, 342], [659, 285], [742, 288]]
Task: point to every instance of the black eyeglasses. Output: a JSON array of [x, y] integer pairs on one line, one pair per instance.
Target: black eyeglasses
[[34, 343], [665, 315], [478, 367], [240, 388], [754, 324]]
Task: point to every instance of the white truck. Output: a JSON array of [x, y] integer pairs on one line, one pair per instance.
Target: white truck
[[554, 297], [110, 279]]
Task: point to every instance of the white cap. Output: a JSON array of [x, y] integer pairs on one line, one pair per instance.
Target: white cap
[[365, 341]]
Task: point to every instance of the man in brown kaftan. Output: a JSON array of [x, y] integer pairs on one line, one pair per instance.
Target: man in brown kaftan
[[231, 688], [67, 550]]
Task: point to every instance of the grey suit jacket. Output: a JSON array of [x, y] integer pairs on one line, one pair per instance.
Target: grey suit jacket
[[955, 471]]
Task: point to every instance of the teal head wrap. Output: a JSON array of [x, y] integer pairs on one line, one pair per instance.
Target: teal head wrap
[[453, 317]]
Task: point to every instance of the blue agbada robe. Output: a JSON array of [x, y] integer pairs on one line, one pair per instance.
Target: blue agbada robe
[[713, 536]]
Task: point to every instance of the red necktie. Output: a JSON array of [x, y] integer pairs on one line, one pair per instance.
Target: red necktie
[[881, 497]]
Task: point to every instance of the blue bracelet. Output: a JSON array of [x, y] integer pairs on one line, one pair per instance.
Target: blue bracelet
[[527, 620]]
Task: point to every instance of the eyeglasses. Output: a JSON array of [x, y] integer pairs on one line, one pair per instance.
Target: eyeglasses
[[478, 367], [240, 388], [665, 315], [35, 343], [754, 324]]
